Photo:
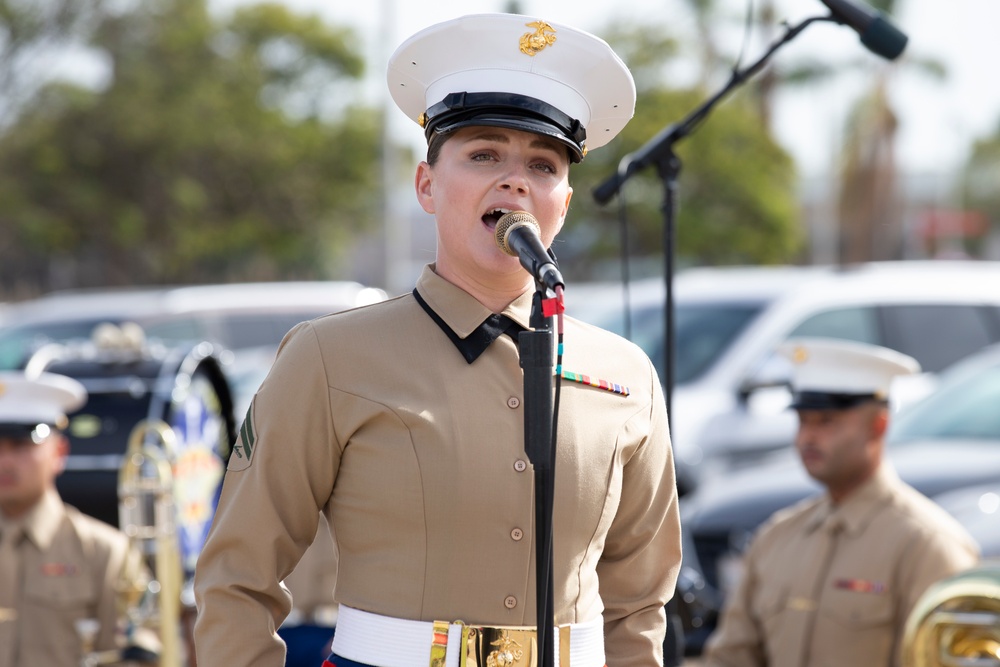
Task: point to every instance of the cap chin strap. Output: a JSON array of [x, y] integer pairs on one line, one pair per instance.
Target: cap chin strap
[[502, 109]]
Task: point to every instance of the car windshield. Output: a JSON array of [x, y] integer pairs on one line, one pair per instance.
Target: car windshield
[[18, 342], [966, 407], [255, 329], [235, 331], [704, 332]]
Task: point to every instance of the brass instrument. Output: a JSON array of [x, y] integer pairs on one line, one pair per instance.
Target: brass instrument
[[956, 622], [147, 516], [176, 406]]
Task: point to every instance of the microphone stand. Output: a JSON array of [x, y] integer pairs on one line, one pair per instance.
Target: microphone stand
[[537, 361], [659, 151]]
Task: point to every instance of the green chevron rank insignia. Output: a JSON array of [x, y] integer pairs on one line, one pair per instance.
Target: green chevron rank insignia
[[242, 454]]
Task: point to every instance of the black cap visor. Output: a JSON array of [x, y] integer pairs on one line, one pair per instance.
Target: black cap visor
[[517, 112], [821, 400], [26, 433], [17, 430]]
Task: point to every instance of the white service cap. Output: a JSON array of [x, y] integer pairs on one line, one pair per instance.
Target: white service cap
[[513, 71], [830, 374], [26, 402]]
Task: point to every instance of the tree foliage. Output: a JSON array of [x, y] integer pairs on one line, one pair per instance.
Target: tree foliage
[[229, 149], [736, 191], [30, 31], [211, 155]]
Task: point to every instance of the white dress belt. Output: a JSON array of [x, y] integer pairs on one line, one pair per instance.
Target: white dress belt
[[385, 641]]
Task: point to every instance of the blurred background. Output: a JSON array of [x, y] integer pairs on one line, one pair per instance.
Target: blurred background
[[181, 181]]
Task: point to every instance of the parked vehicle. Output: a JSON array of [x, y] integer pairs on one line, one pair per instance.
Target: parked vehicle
[[946, 442], [978, 509], [234, 316], [729, 398]]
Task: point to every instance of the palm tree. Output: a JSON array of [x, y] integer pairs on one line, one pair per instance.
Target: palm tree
[[868, 203], [869, 209]]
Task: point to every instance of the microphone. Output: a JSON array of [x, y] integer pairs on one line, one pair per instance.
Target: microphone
[[877, 34], [518, 234]]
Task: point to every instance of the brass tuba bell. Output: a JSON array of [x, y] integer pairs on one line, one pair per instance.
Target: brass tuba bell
[[956, 622]]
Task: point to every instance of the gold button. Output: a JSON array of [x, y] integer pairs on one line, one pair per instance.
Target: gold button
[[510, 602], [520, 465], [513, 402], [516, 534]]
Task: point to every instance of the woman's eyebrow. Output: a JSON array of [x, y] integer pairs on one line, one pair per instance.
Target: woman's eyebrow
[[538, 142]]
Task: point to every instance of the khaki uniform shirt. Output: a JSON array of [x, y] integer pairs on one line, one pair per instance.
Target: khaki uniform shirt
[[832, 586], [312, 581], [417, 459], [69, 565]]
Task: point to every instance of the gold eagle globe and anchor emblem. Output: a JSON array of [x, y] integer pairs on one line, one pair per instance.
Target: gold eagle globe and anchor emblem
[[507, 653], [533, 42]]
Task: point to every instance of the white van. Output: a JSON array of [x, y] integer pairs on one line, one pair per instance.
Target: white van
[[729, 400]]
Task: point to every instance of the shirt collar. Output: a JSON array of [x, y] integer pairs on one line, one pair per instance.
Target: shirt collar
[[859, 507], [470, 325], [41, 523]]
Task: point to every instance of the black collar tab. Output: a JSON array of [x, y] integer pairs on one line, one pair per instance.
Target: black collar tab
[[473, 345]]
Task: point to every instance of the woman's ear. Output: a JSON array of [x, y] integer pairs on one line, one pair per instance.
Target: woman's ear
[[423, 184], [565, 211]]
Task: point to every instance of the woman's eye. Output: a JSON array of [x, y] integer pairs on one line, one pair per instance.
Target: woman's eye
[[482, 157], [545, 167]]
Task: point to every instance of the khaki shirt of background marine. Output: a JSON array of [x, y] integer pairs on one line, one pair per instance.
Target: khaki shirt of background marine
[[417, 458], [70, 567], [832, 586]]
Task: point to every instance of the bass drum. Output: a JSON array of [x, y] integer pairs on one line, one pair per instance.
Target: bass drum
[[182, 386], [956, 622]]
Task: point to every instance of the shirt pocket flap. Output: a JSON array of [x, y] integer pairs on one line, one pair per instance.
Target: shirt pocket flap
[[861, 610]]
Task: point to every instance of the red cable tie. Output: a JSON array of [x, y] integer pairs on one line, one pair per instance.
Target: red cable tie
[[552, 307]]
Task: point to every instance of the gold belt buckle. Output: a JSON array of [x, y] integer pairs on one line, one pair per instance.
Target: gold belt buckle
[[507, 646], [484, 646]]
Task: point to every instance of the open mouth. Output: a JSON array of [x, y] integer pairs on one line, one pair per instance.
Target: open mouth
[[491, 218]]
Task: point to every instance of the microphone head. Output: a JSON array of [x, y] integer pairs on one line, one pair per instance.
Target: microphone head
[[884, 39], [507, 223]]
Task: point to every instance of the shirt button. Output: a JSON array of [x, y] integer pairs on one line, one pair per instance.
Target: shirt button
[[513, 402], [520, 465], [510, 602], [516, 534]]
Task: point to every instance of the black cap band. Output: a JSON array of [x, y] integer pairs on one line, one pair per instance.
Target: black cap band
[[518, 112], [20, 430], [821, 400]]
